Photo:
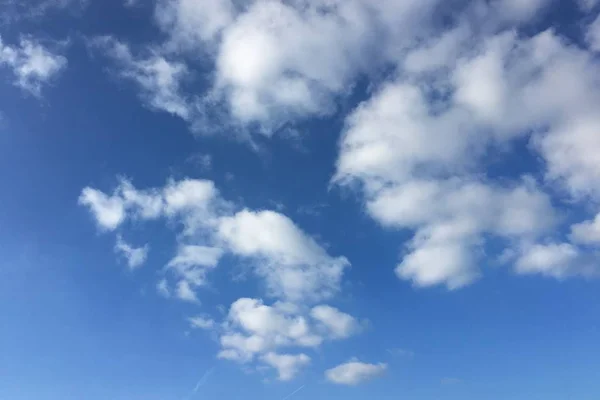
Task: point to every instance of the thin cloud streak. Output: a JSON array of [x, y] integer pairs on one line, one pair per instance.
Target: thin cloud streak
[[293, 393]]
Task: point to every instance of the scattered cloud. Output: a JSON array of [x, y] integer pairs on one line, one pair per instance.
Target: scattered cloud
[[293, 265], [109, 211], [415, 151], [256, 331], [135, 256], [354, 372], [192, 263], [185, 292], [200, 322], [158, 78], [426, 176], [32, 64]]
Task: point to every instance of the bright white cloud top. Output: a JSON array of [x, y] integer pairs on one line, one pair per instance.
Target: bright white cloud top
[[354, 372]]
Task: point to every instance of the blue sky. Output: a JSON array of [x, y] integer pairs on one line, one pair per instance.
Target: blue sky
[[262, 199]]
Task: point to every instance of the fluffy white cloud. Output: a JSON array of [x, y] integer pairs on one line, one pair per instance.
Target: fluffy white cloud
[[135, 256], [337, 324], [557, 260], [254, 331], [354, 372], [293, 264], [109, 211], [587, 232], [287, 365], [255, 328], [195, 201], [32, 64], [274, 62], [417, 146]]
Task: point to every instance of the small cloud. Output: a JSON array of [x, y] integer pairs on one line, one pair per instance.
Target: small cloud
[[135, 256], [162, 287], [200, 322], [32, 64], [185, 292], [354, 372]]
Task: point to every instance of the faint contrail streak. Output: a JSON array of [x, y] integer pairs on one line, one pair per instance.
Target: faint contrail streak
[[293, 393], [200, 383], [203, 379]]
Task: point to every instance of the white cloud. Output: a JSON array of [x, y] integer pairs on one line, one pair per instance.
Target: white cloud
[[135, 256], [557, 260], [587, 232], [354, 372], [255, 328], [158, 78], [195, 201], [194, 22], [192, 263], [287, 365], [109, 211], [338, 324], [297, 56], [254, 331], [200, 322], [293, 264], [184, 291], [32, 64], [416, 147]]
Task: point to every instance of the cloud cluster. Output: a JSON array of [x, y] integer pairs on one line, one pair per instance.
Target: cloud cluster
[[32, 64], [295, 268], [417, 150], [274, 63], [445, 101], [256, 331]]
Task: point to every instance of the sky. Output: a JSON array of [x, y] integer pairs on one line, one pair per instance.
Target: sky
[[299, 199]]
